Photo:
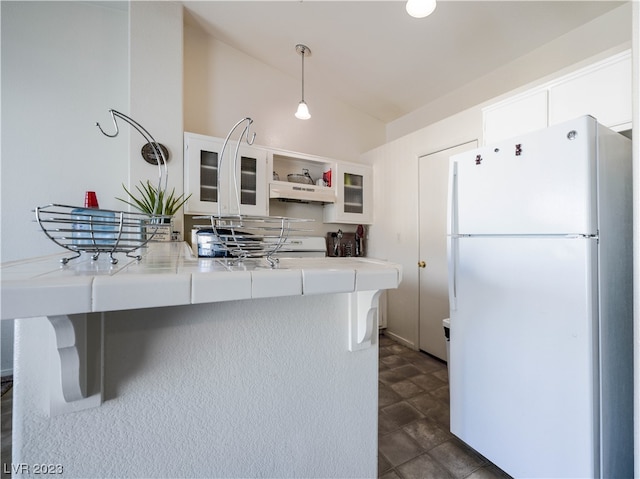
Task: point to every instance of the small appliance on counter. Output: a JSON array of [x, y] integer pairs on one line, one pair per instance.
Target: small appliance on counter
[[206, 243], [341, 244]]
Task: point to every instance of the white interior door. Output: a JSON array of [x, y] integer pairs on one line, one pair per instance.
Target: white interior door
[[434, 296]]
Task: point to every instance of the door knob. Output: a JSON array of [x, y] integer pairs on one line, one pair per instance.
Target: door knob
[[422, 264]]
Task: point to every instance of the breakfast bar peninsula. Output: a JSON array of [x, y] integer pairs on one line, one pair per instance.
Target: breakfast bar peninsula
[[178, 366]]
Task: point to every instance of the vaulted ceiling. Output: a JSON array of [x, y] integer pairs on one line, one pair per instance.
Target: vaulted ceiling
[[378, 59]]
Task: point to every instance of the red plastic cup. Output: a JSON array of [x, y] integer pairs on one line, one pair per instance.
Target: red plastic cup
[[90, 200]]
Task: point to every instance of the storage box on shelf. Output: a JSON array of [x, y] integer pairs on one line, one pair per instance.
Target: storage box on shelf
[[249, 181]]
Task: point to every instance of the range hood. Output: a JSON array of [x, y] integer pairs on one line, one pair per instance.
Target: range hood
[[301, 192]]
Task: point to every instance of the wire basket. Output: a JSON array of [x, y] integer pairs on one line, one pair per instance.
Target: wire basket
[[253, 236], [96, 231]]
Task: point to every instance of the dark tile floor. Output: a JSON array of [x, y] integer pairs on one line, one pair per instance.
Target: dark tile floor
[[413, 422], [414, 441]]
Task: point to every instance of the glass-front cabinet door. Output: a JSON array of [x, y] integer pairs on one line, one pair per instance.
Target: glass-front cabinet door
[[246, 185], [208, 175], [250, 183], [354, 185], [353, 193]]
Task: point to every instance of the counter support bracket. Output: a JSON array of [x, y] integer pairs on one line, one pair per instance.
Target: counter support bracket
[[79, 341], [363, 318]]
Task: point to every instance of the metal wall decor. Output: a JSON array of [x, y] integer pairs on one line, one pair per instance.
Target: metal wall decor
[[150, 155]]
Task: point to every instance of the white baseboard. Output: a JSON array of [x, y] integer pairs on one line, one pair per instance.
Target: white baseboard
[[401, 340], [7, 372]]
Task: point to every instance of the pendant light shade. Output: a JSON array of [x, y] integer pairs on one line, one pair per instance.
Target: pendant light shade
[[303, 110], [302, 113], [420, 8]]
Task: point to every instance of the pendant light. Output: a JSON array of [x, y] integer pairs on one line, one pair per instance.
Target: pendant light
[[420, 8], [303, 110]]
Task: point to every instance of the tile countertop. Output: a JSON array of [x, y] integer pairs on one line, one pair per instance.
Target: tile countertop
[[170, 275]]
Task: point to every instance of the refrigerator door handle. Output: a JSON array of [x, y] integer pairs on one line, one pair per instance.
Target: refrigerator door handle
[[452, 259], [452, 230], [452, 199]]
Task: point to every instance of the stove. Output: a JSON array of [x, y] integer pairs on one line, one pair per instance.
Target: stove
[[303, 247]]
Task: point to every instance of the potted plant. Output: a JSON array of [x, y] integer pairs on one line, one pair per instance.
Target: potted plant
[[153, 202], [156, 203]]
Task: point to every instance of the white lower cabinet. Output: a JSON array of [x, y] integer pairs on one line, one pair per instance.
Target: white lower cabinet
[[241, 190], [354, 184]]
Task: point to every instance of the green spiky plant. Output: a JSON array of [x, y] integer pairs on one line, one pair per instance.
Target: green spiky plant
[[154, 203]]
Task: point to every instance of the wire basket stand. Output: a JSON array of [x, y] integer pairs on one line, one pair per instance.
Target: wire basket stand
[[249, 236], [96, 231]]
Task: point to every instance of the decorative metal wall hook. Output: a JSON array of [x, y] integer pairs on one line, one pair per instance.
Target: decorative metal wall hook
[[248, 127], [163, 173], [245, 134], [115, 124]]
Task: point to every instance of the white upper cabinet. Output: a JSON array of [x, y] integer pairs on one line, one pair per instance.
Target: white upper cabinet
[[263, 173], [245, 185], [602, 90], [354, 184]]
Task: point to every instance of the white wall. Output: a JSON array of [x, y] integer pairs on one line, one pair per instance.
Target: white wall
[[54, 89], [155, 65], [223, 85], [64, 64]]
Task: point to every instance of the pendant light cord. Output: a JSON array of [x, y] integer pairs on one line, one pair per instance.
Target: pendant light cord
[[303, 52]]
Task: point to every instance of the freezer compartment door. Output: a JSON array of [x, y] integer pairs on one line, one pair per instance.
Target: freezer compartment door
[[522, 368], [542, 183]]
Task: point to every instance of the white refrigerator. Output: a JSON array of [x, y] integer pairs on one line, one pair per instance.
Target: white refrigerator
[[540, 287]]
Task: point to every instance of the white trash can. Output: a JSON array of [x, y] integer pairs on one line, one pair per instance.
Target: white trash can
[[446, 324]]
